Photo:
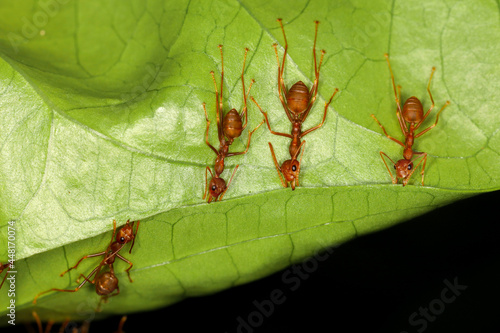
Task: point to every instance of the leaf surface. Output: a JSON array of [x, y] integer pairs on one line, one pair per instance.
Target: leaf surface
[[101, 106]]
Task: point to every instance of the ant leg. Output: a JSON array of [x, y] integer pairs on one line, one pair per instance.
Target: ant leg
[[401, 120], [424, 159], [208, 127], [206, 182], [267, 121], [50, 323], [6, 273], [111, 241], [394, 180], [64, 324], [294, 157], [385, 132], [324, 116], [135, 234], [285, 184], [87, 279], [248, 143], [437, 118], [432, 99], [104, 299], [423, 168], [129, 268], [316, 69], [229, 183], [301, 147], [281, 84], [5, 277], [38, 321], [85, 257], [120, 325], [221, 80], [245, 108], [218, 108], [398, 102], [286, 49], [429, 85], [84, 329], [244, 112], [314, 89], [282, 91]]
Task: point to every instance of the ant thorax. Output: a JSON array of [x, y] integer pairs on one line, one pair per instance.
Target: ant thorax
[[219, 160]]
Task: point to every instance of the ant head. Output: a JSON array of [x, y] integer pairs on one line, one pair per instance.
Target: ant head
[[290, 170], [126, 233], [106, 283], [216, 187], [404, 168]]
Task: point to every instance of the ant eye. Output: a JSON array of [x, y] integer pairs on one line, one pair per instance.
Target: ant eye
[[410, 166], [294, 168], [214, 187], [394, 166], [122, 239]]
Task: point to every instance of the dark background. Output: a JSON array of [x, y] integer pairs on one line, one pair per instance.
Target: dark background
[[371, 284]]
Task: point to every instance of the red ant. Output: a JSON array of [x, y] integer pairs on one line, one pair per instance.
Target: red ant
[[231, 128], [413, 114], [105, 282], [297, 103], [2, 268], [48, 328], [65, 328], [50, 323]]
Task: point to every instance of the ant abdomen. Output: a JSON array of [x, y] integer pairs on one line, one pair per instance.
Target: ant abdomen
[[413, 110], [232, 124], [298, 98], [106, 283]]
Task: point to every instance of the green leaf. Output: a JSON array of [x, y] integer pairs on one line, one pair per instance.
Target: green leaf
[[101, 106]]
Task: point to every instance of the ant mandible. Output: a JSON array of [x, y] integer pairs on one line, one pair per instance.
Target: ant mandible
[[105, 282], [231, 128], [3, 267], [297, 103], [410, 118]]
